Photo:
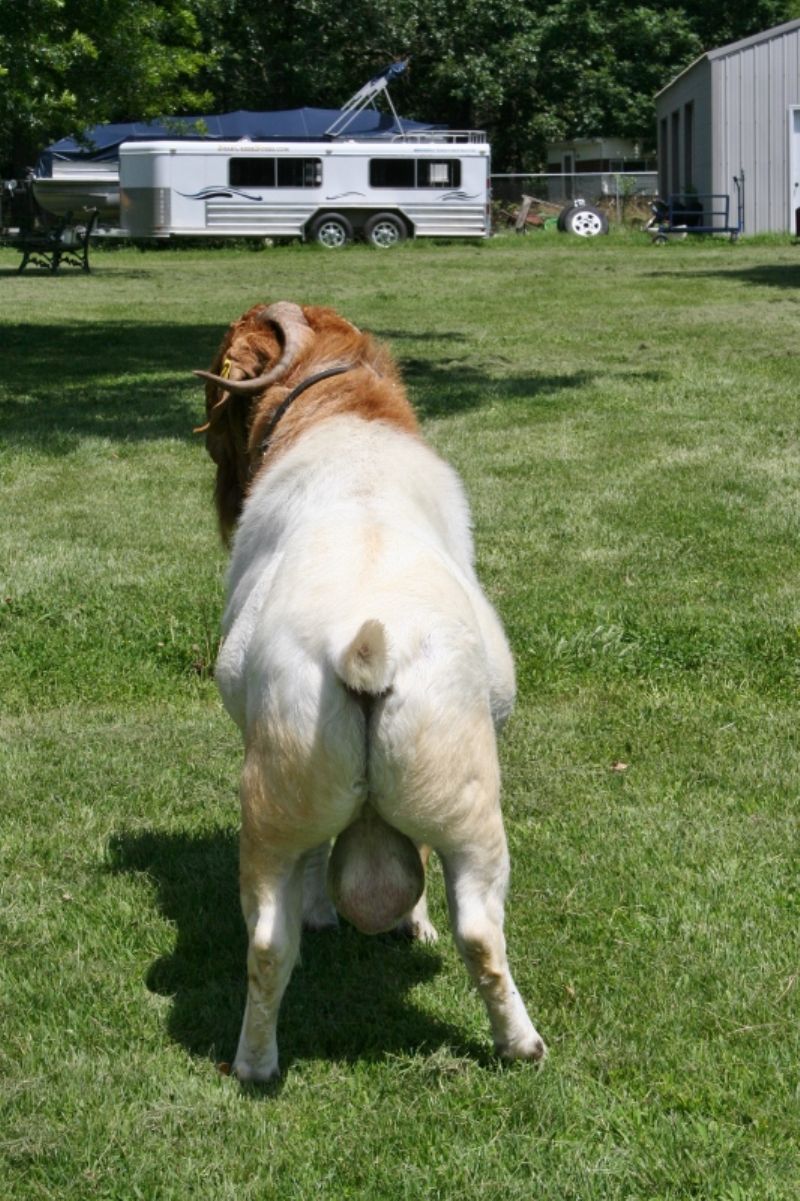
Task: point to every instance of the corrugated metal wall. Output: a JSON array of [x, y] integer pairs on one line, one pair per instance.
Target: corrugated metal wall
[[741, 98], [753, 90]]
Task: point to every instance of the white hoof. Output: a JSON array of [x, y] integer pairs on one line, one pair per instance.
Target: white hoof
[[531, 1046], [420, 929]]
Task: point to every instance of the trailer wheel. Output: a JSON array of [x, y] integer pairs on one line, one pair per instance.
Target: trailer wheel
[[385, 230], [586, 222], [332, 231]]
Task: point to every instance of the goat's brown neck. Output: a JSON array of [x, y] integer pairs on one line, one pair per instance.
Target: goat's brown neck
[[278, 412], [356, 391]]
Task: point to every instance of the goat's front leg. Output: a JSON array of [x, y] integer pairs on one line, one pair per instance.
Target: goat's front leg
[[271, 888]]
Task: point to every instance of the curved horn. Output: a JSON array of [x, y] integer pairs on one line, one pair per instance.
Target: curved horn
[[290, 320]]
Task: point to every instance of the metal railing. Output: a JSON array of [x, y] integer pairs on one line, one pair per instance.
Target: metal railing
[[453, 136]]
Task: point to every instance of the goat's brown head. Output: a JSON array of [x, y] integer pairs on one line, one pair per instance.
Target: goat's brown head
[[258, 350], [263, 354]]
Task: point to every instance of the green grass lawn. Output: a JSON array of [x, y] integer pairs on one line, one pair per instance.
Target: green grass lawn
[[626, 420]]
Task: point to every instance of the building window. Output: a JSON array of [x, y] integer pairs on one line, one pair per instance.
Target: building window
[[414, 173], [663, 158], [275, 172], [688, 145], [568, 161], [674, 153]]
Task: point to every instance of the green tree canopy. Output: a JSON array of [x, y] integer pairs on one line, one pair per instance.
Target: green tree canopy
[[529, 72], [66, 64]]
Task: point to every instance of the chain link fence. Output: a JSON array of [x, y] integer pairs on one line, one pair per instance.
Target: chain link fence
[[620, 195]]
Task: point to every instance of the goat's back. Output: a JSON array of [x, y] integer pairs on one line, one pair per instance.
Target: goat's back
[[360, 527]]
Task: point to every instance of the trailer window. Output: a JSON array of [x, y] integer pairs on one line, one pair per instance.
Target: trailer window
[[439, 174], [275, 173], [251, 172], [414, 173], [392, 172], [299, 172]]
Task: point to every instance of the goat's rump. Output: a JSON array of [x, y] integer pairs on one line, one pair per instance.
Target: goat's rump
[[375, 875]]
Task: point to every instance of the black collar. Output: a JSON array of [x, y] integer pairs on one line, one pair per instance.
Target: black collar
[[263, 445]]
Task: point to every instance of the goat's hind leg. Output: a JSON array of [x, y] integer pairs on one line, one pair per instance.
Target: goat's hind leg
[[271, 888], [417, 924], [476, 877], [318, 909]]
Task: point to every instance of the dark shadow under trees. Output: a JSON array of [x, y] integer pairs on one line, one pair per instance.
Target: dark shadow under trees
[[133, 382]]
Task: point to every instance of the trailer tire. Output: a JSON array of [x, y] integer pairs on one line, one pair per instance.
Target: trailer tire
[[331, 230], [385, 230], [586, 222]]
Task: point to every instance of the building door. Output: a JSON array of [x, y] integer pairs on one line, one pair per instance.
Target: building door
[[794, 171], [568, 168]]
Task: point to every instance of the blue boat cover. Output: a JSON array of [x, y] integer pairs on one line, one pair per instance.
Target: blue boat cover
[[101, 143]]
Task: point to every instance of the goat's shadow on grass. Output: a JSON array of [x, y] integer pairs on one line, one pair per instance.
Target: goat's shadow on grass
[[349, 995]]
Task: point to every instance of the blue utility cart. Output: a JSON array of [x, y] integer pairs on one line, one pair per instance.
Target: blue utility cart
[[699, 214]]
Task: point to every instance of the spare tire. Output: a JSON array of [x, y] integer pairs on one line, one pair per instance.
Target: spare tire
[[586, 221], [562, 216]]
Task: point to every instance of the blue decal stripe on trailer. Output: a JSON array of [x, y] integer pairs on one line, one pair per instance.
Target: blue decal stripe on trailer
[[218, 194]]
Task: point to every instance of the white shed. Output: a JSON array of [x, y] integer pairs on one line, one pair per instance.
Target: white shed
[[737, 110], [584, 155]]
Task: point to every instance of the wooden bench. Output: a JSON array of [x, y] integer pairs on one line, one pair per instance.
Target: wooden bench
[[65, 242]]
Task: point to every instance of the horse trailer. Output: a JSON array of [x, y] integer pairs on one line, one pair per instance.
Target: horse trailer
[[326, 175], [422, 185]]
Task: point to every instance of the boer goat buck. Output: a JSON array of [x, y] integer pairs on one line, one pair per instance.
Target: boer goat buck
[[361, 660]]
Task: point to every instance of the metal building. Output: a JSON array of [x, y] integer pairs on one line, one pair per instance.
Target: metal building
[[737, 110]]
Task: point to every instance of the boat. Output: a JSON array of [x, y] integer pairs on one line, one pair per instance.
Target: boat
[[77, 187], [77, 174]]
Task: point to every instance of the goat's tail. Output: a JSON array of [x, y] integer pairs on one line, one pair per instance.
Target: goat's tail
[[367, 664], [375, 874]]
